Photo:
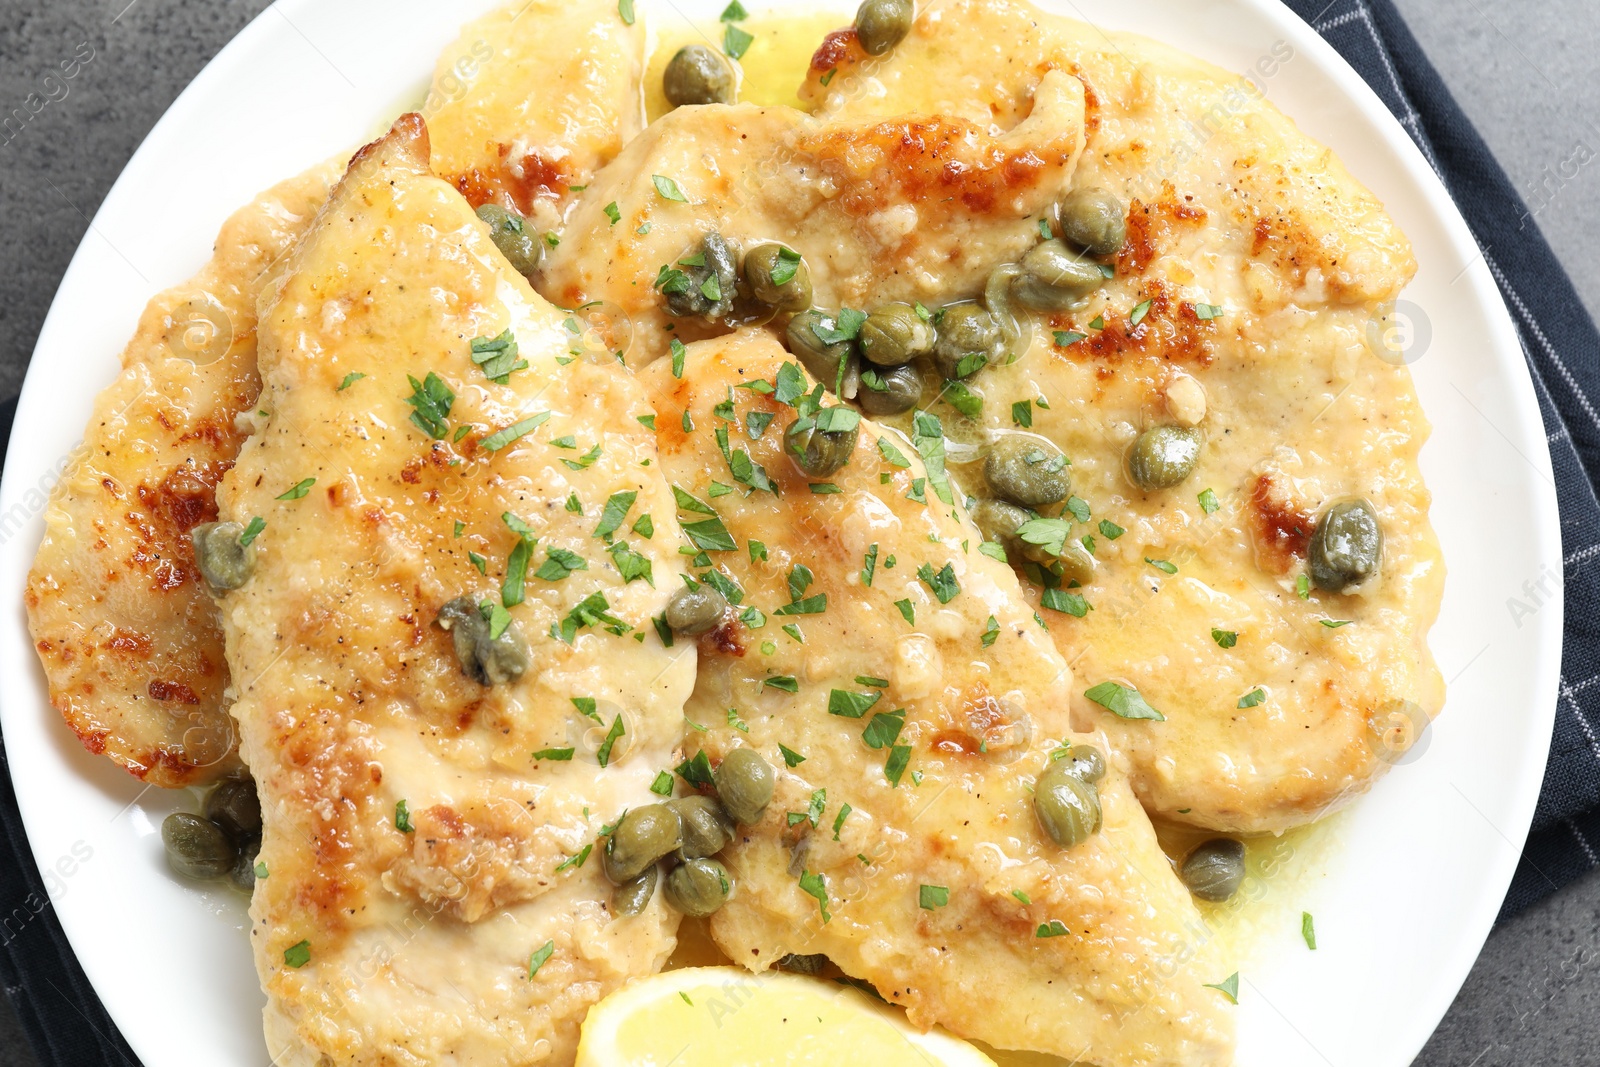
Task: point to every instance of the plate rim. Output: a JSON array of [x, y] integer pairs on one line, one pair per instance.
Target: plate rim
[[1356, 92]]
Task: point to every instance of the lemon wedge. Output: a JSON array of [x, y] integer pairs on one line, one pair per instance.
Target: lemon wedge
[[725, 1015]]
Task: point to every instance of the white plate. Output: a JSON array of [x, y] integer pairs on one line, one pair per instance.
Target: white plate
[[1404, 888]]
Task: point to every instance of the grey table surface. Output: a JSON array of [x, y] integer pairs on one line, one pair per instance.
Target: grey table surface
[[1524, 71]]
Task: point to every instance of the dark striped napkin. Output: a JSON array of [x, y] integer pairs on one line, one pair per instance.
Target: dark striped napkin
[[68, 1027]]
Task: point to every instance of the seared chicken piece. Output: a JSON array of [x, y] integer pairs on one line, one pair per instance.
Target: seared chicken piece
[[908, 698], [1248, 301], [905, 208], [127, 635], [532, 99], [426, 833]]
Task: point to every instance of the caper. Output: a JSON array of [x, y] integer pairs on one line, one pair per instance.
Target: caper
[[1027, 471], [514, 237], [820, 357], [889, 390], [813, 964], [697, 75], [1094, 220], [882, 24], [745, 783], [818, 451], [234, 806], [630, 898], [225, 561], [642, 837], [486, 660], [698, 887], [1068, 807], [197, 847], [709, 280], [706, 827], [1076, 562], [970, 338], [778, 276], [1085, 762], [1163, 456], [1214, 869], [243, 873], [1347, 547], [999, 522], [695, 611], [894, 334], [1053, 277]]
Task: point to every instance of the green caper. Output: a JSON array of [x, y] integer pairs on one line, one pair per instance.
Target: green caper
[[698, 887], [642, 837], [778, 276], [813, 964], [1085, 761], [1214, 869], [889, 390], [999, 522], [970, 338], [486, 660], [234, 806], [697, 75], [243, 873], [1076, 562], [1163, 456], [745, 783], [882, 24], [517, 240], [894, 334], [695, 611], [225, 561], [1027, 471], [1068, 807], [821, 358], [818, 449], [706, 280], [706, 827], [1094, 220], [197, 847], [1053, 277], [1347, 547], [630, 898]]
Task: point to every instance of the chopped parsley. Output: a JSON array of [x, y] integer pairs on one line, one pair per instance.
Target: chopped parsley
[[869, 564], [542, 954], [1140, 310], [662, 786], [298, 490], [1308, 931], [501, 438], [1022, 414], [895, 765], [1064, 338], [735, 42], [613, 212], [1334, 624], [786, 682], [615, 513], [932, 896], [1209, 502], [791, 758], [991, 631], [850, 705], [559, 564], [943, 584], [1228, 987], [908, 610], [1224, 638], [1164, 566], [603, 753], [350, 379], [297, 956], [1110, 530], [1123, 701], [497, 356], [1069, 603], [1253, 698], [884, 729], [1053, 928], [696, 770], [814, 885], [625, 9], [554, 754], [668, 189], [431, 398], [402, 818]]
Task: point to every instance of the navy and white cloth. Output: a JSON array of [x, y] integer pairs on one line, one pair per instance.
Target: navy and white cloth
[[68, 1027]]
